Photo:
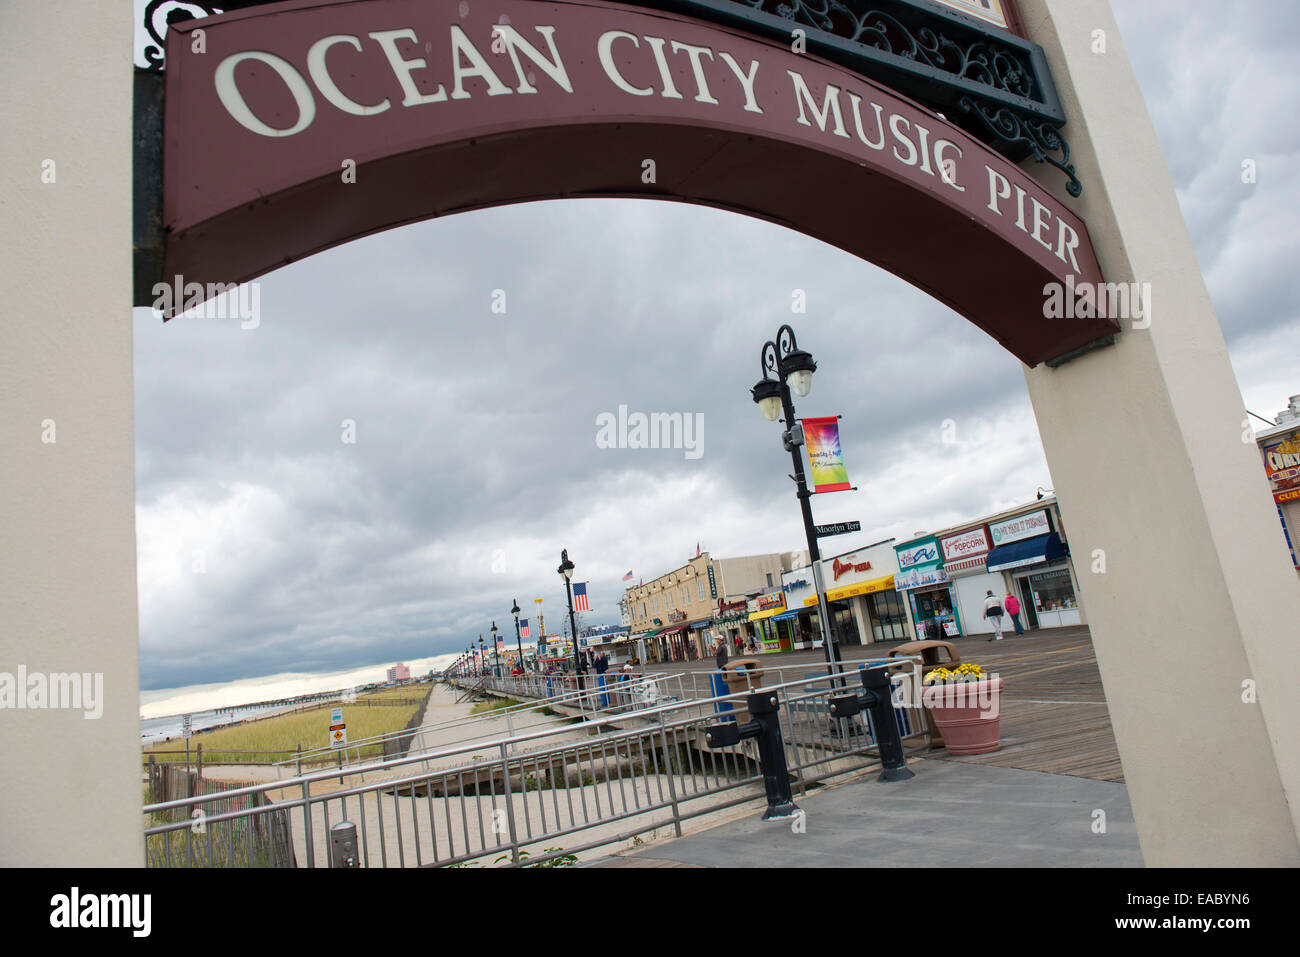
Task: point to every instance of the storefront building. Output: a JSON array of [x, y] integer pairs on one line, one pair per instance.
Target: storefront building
[[1029, 549], [965, 556], [730, 620], [674, 615], [798, 627], [1280, 449], [921, 578], [765, 636], [860, 597]]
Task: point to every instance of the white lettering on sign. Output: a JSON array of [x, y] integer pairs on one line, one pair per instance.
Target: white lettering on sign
[[1067, 240], [435, 66], [965, 545], [1016, 529]]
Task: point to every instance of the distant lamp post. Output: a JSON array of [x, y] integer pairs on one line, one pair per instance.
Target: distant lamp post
[[794, 370], [482, 667], [519, 645], [496, 656], [566, 572]]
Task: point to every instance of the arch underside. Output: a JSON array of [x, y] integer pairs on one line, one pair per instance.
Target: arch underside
[[932, 245]]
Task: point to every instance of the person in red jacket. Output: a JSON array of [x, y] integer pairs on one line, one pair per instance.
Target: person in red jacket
[[1012, 605]]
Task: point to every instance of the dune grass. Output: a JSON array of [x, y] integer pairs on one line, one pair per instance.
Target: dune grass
[[493, 704], [278, 738]]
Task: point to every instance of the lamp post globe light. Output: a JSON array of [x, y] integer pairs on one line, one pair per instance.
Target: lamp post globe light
[[566, 572], [519, 645], [793, 369]]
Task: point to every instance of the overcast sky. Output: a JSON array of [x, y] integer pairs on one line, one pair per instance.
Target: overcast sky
[[267, 544]]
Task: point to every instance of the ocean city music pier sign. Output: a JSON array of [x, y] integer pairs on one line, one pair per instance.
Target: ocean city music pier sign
[[302, 125]]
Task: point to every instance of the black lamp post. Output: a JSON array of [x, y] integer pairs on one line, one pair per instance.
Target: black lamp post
[[496, 655], [794, 369], [482, 659], [519, 645], [566, 572]]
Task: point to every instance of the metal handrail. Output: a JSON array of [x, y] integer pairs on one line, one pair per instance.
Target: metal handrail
[[660, 731]]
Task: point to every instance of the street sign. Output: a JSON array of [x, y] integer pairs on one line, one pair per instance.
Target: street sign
[[336, 716], [839, 528], [338, 735]]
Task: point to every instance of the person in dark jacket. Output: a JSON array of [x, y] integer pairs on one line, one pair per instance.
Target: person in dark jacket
[[720, 649]]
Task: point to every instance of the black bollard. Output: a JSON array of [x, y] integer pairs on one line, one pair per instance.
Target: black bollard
[[766, 727], [876, 697]]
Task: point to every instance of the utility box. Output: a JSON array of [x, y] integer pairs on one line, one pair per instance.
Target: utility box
[[343, 845]]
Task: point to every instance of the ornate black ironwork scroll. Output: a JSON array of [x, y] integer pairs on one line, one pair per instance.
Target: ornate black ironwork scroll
[[1042, 139]]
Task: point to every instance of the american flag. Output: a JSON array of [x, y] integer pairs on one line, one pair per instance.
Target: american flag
[[628, 576], [580, 597], [523, 628], [501, 643]]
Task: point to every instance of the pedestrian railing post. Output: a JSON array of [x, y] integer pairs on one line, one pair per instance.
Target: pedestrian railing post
[[672, 776], [510, 804], [877, 697], [343, 845], [307, 824], [765, 727]]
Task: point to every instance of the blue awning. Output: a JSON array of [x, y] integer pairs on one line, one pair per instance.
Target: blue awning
[[1031, 551]]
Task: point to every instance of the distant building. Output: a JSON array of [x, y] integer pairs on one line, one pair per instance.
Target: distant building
[[1279, 446], [399, 672], [673, 617]]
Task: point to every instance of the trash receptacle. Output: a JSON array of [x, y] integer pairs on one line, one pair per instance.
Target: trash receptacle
[[741, 676], [930, 659]]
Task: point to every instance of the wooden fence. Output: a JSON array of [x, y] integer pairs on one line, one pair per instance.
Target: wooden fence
[[396, 747], [257, 840]]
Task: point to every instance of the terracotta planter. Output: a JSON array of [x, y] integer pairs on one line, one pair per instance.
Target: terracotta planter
[[968, 714]]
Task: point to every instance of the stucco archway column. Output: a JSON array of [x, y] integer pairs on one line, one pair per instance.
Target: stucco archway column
[[1145, 443], [71, 794]]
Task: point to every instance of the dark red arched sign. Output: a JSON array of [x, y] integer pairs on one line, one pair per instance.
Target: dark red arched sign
[[298, 126]]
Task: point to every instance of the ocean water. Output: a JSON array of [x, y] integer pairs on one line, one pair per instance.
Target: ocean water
[[162, 711], [172, 725]]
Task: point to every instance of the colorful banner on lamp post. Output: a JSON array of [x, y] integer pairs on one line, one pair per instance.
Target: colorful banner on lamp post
[[822, 438]]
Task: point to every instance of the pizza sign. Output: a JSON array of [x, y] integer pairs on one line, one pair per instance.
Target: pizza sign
[[1282, 464]]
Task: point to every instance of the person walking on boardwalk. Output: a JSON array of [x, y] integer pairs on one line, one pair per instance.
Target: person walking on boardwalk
[[993, 612], [720, 653], [1012, 605]]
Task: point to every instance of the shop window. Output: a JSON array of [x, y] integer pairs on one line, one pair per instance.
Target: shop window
[[888, 616], [1052, 590], [844, 624]]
